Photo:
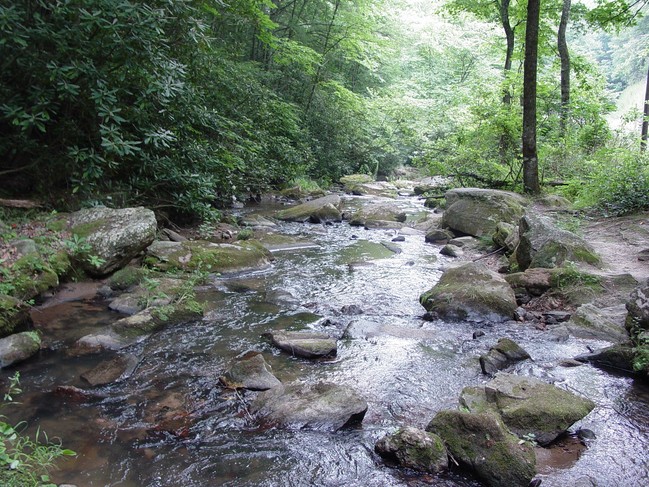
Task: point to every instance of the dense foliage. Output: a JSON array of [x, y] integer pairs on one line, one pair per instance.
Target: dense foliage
[[185, 105]]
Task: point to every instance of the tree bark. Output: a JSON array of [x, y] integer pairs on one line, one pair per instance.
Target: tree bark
[[645, 119], [530, 157], [564, 57]]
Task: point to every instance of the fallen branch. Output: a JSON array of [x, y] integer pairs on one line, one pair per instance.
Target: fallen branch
[[487, 255], [28, 204]]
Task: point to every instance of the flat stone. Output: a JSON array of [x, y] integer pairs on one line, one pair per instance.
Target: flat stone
[[307, 344], [119, 368], [505, 353]]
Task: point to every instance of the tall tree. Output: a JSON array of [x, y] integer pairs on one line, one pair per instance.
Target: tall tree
[[530, 157], [564, 57], [645, 119]]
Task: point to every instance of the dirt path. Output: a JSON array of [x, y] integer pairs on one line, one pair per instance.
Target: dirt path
[[619, 242]]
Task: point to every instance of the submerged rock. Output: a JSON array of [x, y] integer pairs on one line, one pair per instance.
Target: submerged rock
[[528, 406], [321, 406], [414, 448], [471, 292], [120, 367], [18, 347], [320, 210], [505, 353], [543, 244], [476, 212], [250, 371], [308, 344], [115, 236], [481, 443]]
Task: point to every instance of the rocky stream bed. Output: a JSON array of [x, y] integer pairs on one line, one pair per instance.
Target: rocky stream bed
[[312, 362]]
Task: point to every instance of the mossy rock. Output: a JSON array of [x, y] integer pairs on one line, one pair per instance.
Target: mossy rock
[[481, 443], [127, 277], [32, 276], [543, 244], [14, 314], [414, 448], [471, 292], [18, 347], [208, 256], [528, 406], [354, 179], [476, 212], [592, 322], [377, 212]]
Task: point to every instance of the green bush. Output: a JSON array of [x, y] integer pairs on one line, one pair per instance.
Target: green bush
[[619, 183]]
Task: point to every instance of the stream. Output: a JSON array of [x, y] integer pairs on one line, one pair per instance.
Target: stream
[[172, 424]]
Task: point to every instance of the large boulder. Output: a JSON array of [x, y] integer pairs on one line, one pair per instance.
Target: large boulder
[[114, 236], [593, 322], [481, 443], [528, 406], [308, 344], [18, 347], [200, 254], [505, 353], [471, 292], [543, 244], [320, 210], [317, 406], [414, 448], [377, 212], [250, 371], [638, 309], [476, 212]]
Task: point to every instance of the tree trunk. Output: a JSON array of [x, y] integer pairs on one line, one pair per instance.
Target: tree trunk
[[506, 142], [645, 119], [530, 157], [564, 56]]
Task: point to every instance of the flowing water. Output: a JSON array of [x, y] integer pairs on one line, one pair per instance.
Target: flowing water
[[172, 424]]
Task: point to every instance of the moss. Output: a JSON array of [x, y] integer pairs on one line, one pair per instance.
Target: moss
[[127, 277], [85, 229], [60, 263], [13, 313], [57, 225]]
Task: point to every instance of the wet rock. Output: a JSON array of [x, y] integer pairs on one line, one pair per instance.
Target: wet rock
[[439, 236], [119, 368], [570, 363], [104, 339], [528, 406], [321, 406], [399, 238], [643, 256], [392, 247], [281, 297], [377, 212], [307, 344], [250, 371], [543, 244], [451, 251], [351, 309], [482, 444], [617, 356], [382, 225], [471, 292], [476, 212], [638, 309], [199, 254], [115, 236], [14, 314], [156, 292], [477, 334], [414, 448], [592, 322], [18, 347], [506, 236], [505, 353], [320, 210]]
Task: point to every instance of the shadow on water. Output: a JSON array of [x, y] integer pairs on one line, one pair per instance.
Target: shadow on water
[[171, 423]]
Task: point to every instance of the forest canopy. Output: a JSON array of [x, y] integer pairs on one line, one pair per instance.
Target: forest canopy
[[185, 105]]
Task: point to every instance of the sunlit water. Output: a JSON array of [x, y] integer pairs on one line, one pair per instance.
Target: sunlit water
[[172, 424]]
